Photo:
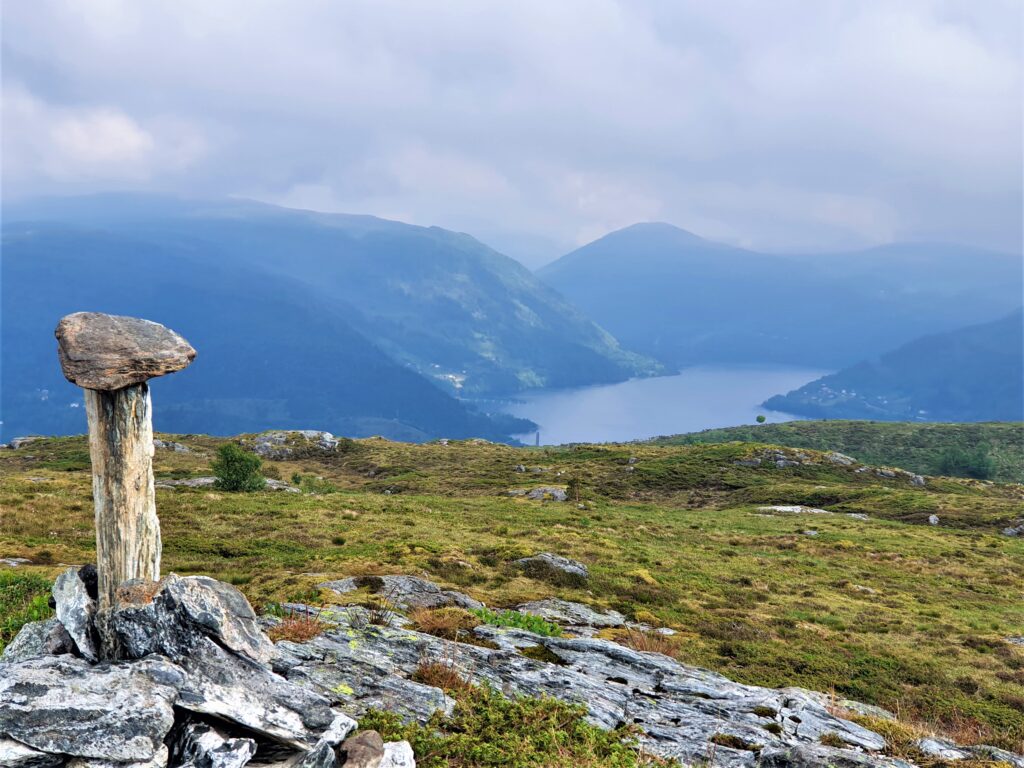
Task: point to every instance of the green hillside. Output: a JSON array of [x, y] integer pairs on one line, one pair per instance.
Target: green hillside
[[929, 449], [969, 374], [867, 599]]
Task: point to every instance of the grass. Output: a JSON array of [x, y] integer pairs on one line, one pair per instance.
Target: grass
[[24, 597], [889, 610], [916, 447], [487, 729], [298, 627]]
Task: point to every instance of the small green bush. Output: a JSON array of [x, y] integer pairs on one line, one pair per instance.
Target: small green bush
[[237, 469], [517, 620]]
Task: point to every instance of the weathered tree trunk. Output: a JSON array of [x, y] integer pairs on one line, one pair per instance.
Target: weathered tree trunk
[[121, 448]]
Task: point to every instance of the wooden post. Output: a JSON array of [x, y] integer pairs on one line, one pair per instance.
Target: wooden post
[[112, 357], [121, 449]]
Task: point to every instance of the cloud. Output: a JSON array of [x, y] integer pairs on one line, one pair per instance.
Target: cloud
[[536, 125]]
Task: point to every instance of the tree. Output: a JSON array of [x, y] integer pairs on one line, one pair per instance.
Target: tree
[[957, 462], [237, 470], [761, 418]]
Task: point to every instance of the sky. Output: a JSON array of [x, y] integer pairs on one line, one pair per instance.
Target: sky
[[811, 125]]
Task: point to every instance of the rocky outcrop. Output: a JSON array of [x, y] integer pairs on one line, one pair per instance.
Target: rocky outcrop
[[279, 445], [170, 445], [176, 656], [404, 592], [554, 569], [210, 482]]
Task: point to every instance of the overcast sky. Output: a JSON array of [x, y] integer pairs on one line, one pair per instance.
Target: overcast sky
[[537, 126]]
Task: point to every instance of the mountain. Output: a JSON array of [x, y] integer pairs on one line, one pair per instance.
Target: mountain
[[925, 448], [440, 302], [685, 300], [271, 352], [971, 374]]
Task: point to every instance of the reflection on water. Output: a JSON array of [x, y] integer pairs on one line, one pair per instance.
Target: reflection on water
[[702, 397]]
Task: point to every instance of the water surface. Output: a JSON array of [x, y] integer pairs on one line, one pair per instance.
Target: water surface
[[699, 398]]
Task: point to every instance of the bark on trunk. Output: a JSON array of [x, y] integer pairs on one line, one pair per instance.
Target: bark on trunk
[[121, 447]]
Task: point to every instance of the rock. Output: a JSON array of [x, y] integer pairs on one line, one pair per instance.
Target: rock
[[14, 562], [857, 515], [547, 493], [570, 614], [1018, 640], [816, 756], [37, 639], [108, 352], [933, 519], [994, 754], [200, 745], [917, 480], [676, 708], [188, 482], [320, 756], [13, 754], [280, 485], [754, 462], [364, 750], [885, 473], [169, 445], [281, 444], [794, 509], [76, 610], [516, 468], [941, 748], [398, 754], [159, 760], [211, 631], [809, 533], [112, 712], [1017, 529], [404, 592], [221, 612], [554, 569], [834, 457], [20, 442]]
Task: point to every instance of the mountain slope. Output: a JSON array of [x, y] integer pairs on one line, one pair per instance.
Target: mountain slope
[[925, 448], [971, 374], [269, 354], [441, 302], [685, 300]]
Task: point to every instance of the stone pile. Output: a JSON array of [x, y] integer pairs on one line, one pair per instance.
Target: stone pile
[[176, 674]]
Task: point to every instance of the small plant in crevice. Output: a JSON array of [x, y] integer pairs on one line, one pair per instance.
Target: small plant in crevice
[[298, 626]]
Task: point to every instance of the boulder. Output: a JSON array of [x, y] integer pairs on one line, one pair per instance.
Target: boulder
[[813, 756], [170, 445], [76, 611], [159, 760], [547, 493], [404, 592], [108, 352], [933, 519], [321, 756], [554, 569], [364, 750], [37, 639], [398, 754], [834, 457], [20, 442], [112, 712]]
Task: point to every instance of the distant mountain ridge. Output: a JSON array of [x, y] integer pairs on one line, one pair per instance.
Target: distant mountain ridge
[[970, 374], [685, 300], [439, 301]]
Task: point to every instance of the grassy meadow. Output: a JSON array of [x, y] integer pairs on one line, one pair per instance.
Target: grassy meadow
[[888, 610]]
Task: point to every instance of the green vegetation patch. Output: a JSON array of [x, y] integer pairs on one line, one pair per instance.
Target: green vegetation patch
[[24, 597], [487, 729], [517, 620]]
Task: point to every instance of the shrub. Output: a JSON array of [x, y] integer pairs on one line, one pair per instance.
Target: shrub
[[957, 462], [486, 730], [237, 469], [517, 620]]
